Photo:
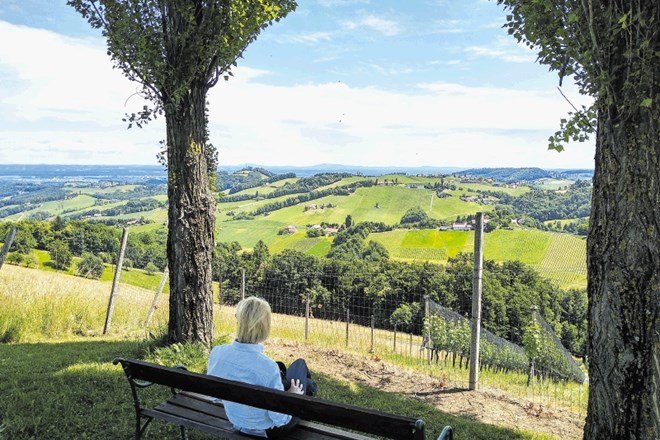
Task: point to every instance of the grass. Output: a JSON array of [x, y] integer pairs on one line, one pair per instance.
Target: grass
[[60, 385], [58, 359], [132, 277], [40, 305], [69, 389], [558, 257], [56, 207]]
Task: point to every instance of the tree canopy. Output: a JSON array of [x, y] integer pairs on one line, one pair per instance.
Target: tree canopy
[[176, 50]]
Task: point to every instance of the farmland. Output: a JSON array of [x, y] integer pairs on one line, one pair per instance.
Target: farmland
[[559, 257]]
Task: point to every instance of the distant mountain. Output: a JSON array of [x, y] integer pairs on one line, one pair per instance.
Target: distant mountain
[[508, 174], [156, 174], [575, 174], [306, 171], [121, 173], [527, 174]]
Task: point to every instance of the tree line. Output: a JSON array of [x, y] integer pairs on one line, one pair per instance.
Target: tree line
[[363, 286]]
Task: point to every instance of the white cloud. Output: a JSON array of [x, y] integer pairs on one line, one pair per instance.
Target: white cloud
[[386, 27], [312, 37], [448, 27], [503, 49], [333, 3], [447, 124], [61, 78], [68, 110]]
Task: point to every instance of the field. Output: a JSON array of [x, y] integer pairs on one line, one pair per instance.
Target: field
[[59, 382], [559, 257]]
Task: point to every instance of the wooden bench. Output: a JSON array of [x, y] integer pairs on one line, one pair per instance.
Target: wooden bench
[[192, 405]]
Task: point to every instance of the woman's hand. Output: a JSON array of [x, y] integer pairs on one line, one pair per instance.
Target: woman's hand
[[296, 387]]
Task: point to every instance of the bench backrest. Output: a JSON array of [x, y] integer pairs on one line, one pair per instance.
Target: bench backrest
[[308, 408]]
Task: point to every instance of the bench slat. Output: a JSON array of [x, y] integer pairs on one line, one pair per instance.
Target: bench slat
[[201, 413], [205, 404]]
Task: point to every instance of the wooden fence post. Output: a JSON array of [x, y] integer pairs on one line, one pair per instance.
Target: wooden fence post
[[5, 247], [394, 348], [348, 318], [115, 281], [307, 317], [154, 304], [242, 284], [371, 350]]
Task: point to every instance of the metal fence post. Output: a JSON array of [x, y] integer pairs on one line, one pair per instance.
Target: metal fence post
[[476, 301]]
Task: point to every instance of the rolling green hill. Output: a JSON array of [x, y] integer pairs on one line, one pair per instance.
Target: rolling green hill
[[560, 257]]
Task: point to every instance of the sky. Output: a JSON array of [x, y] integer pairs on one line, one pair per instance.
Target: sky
[[353, 82]]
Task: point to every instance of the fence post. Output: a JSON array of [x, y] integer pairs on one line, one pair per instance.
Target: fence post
[[307, 317], [5, 247], [476, 301], [429, 343], [242, 283], [348, 318], [154, 304], [394, 348], [115, 281], [371, 350]]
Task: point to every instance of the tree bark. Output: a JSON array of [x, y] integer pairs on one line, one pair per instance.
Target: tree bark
[[623, 258], [191, 217]]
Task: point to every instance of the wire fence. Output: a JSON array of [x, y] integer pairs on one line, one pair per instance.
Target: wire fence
[[355, 311]]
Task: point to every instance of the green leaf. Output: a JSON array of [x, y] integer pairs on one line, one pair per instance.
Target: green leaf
[[647, 102]]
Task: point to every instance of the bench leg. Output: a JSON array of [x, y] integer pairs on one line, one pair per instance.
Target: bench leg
[[139, 428], [184, 436]]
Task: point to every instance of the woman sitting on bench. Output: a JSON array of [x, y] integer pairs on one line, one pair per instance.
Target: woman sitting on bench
[[243, 361]]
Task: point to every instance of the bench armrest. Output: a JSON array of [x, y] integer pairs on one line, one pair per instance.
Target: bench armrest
[[446, 434]]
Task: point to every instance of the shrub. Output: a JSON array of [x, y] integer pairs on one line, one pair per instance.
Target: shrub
[[60, 255], [90, 266], [30, 260], [15, 258], [150, 268]]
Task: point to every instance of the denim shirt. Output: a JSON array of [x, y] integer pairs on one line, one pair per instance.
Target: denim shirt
[[247, 363]]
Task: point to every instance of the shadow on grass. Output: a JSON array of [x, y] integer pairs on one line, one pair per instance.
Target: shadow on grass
[[464, 427], [67, 390]]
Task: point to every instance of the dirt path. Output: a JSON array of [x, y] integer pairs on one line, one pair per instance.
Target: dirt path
[[487, 406]]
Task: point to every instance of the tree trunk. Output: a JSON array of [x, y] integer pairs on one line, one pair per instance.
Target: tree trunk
[[191, 217], [623, 258]]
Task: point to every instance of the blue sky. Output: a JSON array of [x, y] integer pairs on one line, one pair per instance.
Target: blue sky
[[354, 82]]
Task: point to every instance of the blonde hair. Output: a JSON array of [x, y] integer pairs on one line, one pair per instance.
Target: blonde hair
[[253, 316]]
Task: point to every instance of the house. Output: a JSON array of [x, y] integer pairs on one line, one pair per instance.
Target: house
[[330, 231], [291, 229], [461, 227]]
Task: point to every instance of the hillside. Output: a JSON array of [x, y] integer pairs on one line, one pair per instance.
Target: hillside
[[258, 204]]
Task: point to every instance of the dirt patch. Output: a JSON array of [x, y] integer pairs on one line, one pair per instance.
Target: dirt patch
[[487, 406]]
